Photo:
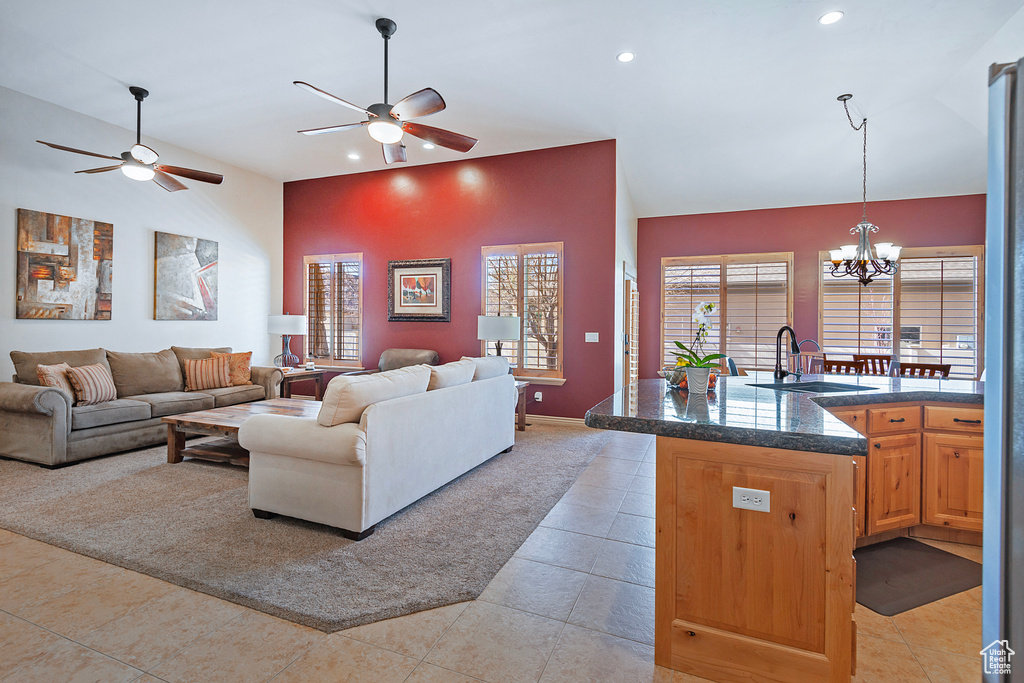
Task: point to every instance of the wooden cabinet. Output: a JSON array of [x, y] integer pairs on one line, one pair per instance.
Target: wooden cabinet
[[894, 482], [860, 494], [949, 418], [894, 420], [953, 481], [855, 418]]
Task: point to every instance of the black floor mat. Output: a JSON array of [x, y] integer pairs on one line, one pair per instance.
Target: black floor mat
[[901, 574]]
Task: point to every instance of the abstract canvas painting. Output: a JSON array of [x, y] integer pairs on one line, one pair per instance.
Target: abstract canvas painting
[[186, 278], [65, 266]]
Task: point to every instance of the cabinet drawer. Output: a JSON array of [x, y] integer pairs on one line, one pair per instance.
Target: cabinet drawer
[[857, 419], [950, 418], [892, 420]]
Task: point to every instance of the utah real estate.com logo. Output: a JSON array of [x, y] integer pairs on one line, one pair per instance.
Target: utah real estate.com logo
[[996, 657]]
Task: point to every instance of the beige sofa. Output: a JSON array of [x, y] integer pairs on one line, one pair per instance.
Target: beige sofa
[[40, 424]]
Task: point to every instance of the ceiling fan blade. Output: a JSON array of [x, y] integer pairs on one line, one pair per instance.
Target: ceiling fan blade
[[394, 152], [167, 182], [333, 129], [329, 97], [202, 176], [439, 136], [100, 170], [78, 151], [423, 103]]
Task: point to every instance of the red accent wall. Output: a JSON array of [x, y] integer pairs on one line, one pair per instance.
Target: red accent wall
[[805, 230], [451, 210]]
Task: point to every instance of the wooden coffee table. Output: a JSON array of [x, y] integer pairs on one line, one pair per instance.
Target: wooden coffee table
[[224, 422]]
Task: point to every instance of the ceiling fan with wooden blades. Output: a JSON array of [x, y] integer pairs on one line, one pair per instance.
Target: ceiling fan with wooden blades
[[388, 123], [139, 163]]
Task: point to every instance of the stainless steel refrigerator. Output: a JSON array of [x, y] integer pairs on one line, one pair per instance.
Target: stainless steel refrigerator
[[1003, 616]]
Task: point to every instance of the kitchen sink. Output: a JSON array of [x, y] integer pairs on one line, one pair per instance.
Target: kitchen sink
[[818, 387]]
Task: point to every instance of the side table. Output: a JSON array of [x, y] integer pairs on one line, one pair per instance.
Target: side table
[[301, 375], [521, 406]]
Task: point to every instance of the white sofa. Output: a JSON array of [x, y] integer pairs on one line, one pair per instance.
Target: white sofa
[[355, 474]]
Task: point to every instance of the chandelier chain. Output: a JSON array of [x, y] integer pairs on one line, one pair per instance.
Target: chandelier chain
[[864, 178]]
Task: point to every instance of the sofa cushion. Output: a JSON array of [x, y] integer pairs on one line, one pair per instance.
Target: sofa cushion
[[393, 359], [229, 396], [348, 396], [92, 384], [144, 373], [55, 376], [196, 352], [451, 374], [489, 366], [239, 367], [25, 363], [176, 402], [207, 373], [108, 413]]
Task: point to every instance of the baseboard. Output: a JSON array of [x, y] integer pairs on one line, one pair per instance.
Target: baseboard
[[552, 420]]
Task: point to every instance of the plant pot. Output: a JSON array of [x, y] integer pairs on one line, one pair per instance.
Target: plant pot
[[697, 380]]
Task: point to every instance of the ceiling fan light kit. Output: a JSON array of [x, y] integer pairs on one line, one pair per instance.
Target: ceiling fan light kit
[[139, 162], [388, 124]]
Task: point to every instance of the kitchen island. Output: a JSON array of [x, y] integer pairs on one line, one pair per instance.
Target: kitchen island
[[756, 490]]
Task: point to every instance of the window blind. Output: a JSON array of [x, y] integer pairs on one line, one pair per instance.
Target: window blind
[[684, 285], [334, 309], [757, 296], [855, 318]]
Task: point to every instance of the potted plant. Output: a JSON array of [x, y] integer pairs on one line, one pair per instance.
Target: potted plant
[[698, 366]]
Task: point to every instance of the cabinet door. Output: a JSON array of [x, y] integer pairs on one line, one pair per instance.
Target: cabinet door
[[953, 481], [894, 482], [860, 493], [857, 419]]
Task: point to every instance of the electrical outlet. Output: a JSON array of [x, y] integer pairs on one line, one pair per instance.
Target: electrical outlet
[[538, 396], [751, 499], [591, 337]]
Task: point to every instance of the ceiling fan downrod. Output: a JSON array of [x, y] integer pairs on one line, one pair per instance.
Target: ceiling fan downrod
[[140, 94], [387, 29]]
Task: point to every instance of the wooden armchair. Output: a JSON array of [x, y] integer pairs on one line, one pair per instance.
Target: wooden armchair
[[873, 364], [925, 369], [844, 367]]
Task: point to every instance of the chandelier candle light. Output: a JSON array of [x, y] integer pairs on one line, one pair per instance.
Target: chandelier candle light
[[856, 259]]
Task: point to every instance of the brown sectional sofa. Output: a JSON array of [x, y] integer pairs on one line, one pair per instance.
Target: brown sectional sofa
[[39, 424]]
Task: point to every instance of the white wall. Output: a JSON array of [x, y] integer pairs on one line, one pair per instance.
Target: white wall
[[625, 259], [244, 215]]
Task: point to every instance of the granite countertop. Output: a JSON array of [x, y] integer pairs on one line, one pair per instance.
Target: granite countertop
[[739, 413]]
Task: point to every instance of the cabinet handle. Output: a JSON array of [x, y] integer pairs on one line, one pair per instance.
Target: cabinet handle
[[902, 419], [972, 422], [956, 454], [878, 445]]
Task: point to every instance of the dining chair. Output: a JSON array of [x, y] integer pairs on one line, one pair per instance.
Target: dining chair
[[844, 367], [925, 369], [873, 364]]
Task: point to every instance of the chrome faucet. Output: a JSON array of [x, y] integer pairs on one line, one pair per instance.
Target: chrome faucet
[[794, 348]]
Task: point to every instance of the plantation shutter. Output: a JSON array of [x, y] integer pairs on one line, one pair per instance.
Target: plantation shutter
[[938, 312], [347, 279], [855, 318], [541, 305], [318, 310], [757, 305], [501, 296], [334, 309], [686, 283]]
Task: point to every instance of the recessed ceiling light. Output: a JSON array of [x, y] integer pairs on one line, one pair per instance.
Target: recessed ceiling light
[[625, 57], [427, 145], [830, 17], [353, 156]]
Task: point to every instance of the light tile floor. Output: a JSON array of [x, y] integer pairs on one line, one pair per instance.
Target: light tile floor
[[576, 603]]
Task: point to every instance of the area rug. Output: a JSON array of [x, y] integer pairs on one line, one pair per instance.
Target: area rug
[[900, 574], [190, 524]]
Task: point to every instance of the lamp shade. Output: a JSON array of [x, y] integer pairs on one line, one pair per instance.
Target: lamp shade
[[497, 327], [286, 324]]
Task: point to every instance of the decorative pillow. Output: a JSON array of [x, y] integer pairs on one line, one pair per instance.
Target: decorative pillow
[[347, 397], [55, 376], [451, 374], [239, 366], [207, 373], [489, 366], [92, 384]]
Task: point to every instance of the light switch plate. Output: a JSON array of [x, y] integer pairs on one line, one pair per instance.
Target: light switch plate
[[591, 336], [751, 499]]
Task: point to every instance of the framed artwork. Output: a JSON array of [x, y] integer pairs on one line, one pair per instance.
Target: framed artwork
[[65, 267], [186, 278], [420, 290]]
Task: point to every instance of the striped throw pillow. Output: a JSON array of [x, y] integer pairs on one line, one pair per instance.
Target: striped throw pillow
[[207, 373], [239, 366], [92, 384], [55, 376]]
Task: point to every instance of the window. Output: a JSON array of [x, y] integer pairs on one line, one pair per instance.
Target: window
[[935, 300], [752, 294], [526, 280], [334, 309]]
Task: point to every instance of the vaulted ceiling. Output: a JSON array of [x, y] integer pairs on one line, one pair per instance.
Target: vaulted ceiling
[[729, 104]]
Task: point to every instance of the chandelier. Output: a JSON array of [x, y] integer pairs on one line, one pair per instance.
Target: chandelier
[[856, 259]]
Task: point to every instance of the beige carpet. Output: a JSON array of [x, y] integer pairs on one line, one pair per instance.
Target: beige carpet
[[190, 524]]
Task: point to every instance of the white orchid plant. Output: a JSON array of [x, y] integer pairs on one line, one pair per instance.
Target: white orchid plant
[[693, 355]]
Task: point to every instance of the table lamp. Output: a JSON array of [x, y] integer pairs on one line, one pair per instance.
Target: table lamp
[[497, 328], [287, 326]]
